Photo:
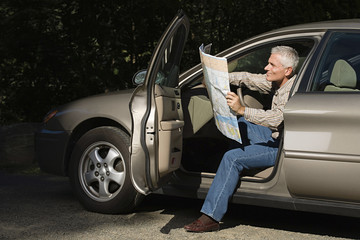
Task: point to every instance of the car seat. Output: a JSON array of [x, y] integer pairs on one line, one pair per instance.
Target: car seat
[[343, 77]]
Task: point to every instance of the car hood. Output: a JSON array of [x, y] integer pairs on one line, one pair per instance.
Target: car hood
[[113, 106]]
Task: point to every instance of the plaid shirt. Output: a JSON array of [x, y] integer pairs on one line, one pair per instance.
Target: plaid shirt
[[272, 118]]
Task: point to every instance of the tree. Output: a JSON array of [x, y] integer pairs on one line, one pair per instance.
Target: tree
[[52, 52]]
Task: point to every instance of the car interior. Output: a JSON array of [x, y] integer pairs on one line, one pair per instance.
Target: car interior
[[203, 144]]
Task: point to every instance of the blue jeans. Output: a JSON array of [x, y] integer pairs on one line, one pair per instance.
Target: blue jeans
[[258, 150]]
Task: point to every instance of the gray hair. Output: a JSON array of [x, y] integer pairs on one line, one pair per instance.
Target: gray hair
[[289, 56]]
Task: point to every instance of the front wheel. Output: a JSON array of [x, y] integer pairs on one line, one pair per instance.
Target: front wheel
[[100, 174]]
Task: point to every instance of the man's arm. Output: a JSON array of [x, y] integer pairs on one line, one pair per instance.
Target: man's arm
[[268, 118], [255, 82]]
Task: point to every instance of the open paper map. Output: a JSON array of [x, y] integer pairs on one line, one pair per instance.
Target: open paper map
[[217, 82]]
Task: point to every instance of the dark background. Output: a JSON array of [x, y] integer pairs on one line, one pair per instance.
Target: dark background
[[55, 51]]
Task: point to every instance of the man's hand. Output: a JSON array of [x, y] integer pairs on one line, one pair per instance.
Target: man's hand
[[233, 101]]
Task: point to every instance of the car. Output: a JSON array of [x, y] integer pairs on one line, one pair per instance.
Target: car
[[161, 137]]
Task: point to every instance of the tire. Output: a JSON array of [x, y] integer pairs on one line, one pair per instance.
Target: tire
[[99, 172]]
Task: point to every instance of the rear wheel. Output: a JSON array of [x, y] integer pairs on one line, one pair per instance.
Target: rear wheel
[[99, 171]]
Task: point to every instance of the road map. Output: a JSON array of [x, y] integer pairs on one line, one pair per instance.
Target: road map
[[216, 77]]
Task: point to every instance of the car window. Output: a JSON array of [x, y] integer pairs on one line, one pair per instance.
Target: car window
[[168, 72], [339, 66], [255, 60]]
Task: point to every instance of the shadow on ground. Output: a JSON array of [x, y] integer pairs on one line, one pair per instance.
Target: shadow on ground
[[43, 206]]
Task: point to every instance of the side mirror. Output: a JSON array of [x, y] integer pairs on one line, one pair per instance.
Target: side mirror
[[139, 77]]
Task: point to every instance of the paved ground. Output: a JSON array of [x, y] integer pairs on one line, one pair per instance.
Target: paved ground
[[43, 207]]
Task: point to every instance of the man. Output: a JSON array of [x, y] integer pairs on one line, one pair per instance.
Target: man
[[260, 131]]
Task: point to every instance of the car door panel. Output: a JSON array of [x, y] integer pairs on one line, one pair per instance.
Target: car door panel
[[321, 136], [171, 123], [157, 119]]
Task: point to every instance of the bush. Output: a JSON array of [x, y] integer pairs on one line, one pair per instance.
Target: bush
[[52, 52]]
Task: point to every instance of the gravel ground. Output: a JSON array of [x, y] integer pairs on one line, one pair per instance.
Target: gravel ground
[[43, 207]]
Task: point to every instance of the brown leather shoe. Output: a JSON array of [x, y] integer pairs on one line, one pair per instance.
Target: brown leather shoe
[[198, 226]]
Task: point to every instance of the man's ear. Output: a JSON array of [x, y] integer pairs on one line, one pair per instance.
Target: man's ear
[[289, 72]]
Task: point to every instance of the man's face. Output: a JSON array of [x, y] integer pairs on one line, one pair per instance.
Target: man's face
[[276, 72]]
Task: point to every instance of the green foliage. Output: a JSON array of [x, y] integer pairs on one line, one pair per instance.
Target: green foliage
[[52, 52]]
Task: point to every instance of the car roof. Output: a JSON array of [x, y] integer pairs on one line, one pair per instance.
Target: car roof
[[324, 25], [300, 28]]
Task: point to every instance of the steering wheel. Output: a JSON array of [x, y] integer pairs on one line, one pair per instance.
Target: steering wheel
[[239, 93]]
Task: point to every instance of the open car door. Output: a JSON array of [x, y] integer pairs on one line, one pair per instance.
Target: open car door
[[156, 111]]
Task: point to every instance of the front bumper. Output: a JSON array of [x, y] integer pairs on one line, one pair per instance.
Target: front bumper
[[51, 151]]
